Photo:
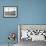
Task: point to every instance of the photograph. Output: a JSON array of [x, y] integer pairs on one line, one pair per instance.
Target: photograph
[[10, 11]]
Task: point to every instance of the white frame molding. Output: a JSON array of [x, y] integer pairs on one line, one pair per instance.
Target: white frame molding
[[18, 33]]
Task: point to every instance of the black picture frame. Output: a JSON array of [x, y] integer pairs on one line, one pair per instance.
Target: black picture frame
[[10, 11]]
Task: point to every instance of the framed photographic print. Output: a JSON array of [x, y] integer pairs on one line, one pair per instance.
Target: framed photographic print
[[10, 11], [33, 32]]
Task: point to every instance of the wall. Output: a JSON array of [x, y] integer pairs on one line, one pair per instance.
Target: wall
[[32, 11], [7, 25], [29, 12]]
